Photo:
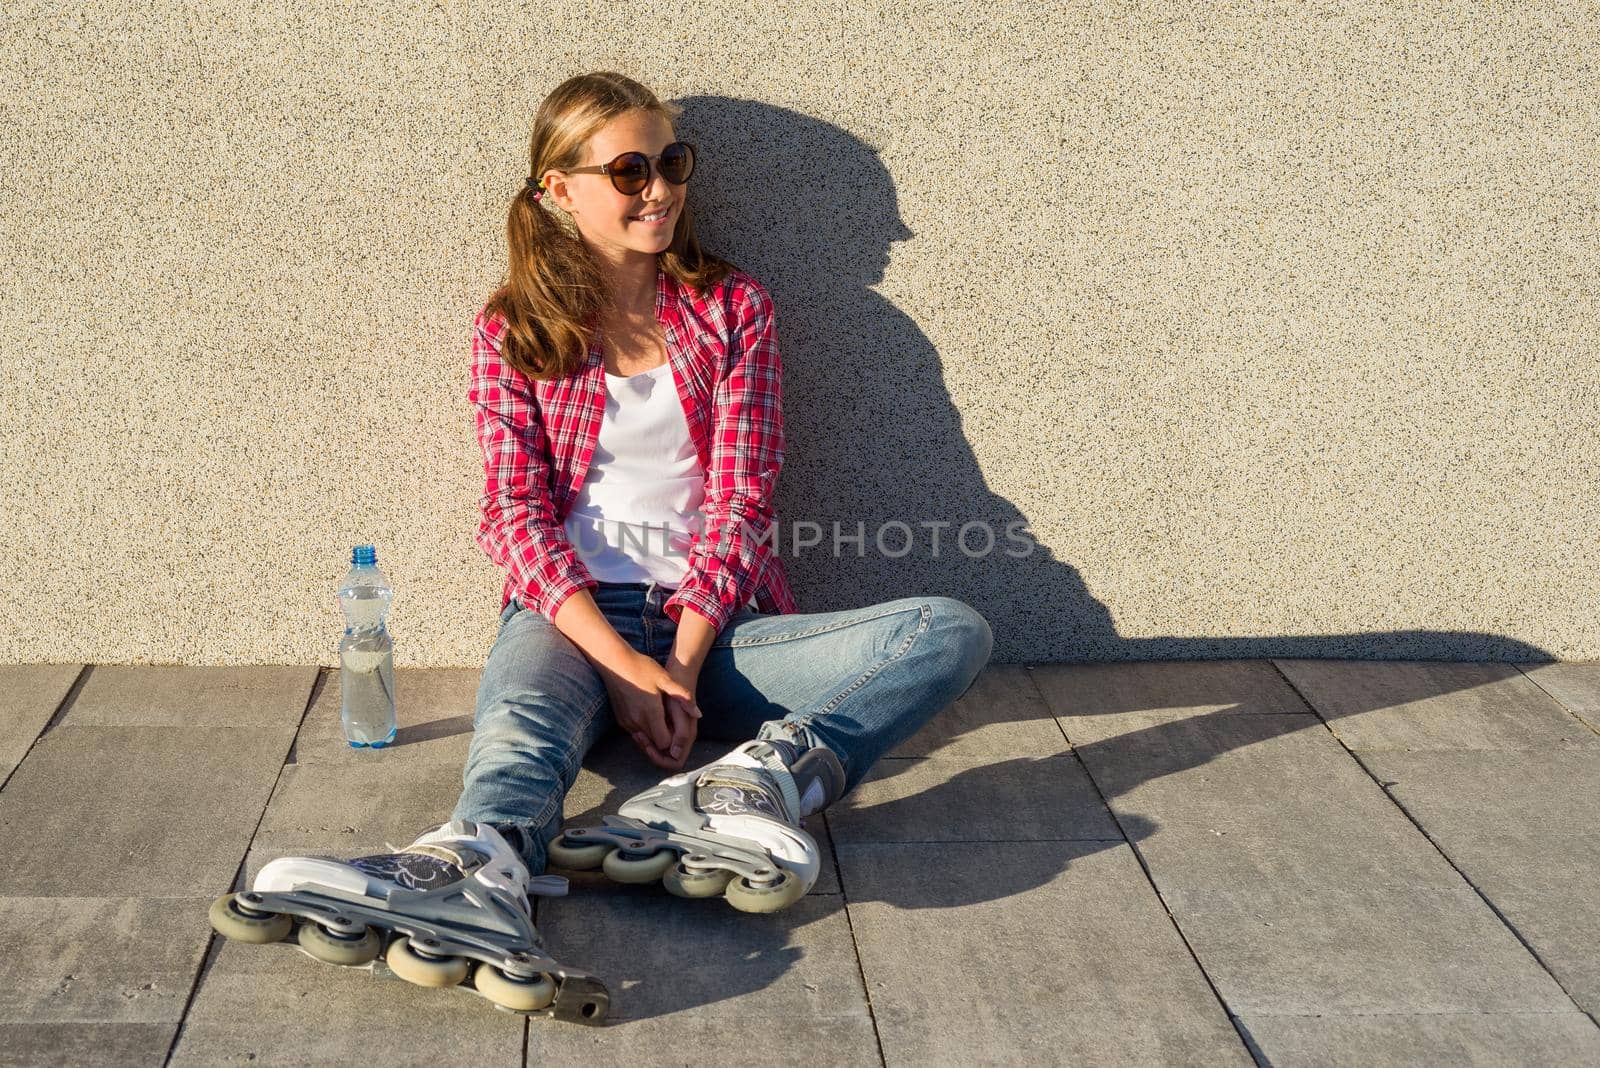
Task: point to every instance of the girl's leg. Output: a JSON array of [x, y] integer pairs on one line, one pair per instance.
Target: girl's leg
[[540, 707], [859, 681]]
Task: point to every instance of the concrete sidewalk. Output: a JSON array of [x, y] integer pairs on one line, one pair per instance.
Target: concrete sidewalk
[[1182, 862]]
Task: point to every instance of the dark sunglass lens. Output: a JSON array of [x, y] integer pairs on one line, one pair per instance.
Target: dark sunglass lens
[[629, 171], [677, 162]]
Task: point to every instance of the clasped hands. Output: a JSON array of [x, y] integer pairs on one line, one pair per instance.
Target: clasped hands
[[655, 706]]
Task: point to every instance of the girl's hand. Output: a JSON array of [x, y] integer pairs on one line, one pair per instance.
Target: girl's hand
[[687, 726], [655, 709], [683, 720]]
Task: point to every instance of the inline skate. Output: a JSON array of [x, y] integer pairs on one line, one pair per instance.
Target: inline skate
[[732, 827], [455, 902]]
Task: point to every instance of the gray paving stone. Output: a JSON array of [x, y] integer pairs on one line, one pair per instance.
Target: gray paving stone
[[614, 770], [140, 811], [1006, 953], [85, 1045], [1477, 804], [1000, 716], [949, 799], [1077, 694], [1425, 704], [1530, 1040], [699, 967], [33, 692], [1243, 801], [336, 807], [675, 1041], [1525, 830], [993, 765], [254, 697], [1335, 952], [273, 1005], [124, 960], [433, 712], [1562, 925], [1575, 685]]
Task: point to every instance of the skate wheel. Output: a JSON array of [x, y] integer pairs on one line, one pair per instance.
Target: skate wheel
[[747, 898], [230, 922], [644, 870], [519, 995], [687, 882], [324, 945], [405, 962], [576, 856]]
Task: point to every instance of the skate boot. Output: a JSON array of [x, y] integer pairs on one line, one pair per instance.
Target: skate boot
[[455, 902], [733, 827]]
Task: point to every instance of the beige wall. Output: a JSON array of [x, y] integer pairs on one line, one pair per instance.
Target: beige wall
[[1277, 329]]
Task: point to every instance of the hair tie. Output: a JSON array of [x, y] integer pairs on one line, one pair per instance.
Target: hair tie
[[536, 183]]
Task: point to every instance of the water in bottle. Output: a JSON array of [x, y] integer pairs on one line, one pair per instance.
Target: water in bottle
[[366, 653]]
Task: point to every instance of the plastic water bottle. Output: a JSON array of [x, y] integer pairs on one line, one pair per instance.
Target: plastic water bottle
[[366, 654]]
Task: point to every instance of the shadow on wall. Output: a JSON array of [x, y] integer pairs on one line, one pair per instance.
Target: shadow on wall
[[872, 437]]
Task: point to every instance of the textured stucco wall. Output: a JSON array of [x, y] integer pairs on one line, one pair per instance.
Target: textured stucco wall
[[1275, 323]]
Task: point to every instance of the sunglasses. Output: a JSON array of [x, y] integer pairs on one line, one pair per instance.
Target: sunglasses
[[630, 172]]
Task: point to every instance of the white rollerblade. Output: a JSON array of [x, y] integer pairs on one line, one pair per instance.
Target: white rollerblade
[[733, 827], [455, 901]]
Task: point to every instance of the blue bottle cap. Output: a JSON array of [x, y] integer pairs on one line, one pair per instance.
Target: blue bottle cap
[[363, 555]]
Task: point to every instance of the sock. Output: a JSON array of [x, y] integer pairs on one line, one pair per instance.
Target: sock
[[811, 800], [812, 793]]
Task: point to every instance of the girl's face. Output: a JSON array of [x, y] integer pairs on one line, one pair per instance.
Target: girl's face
[[607, 219]]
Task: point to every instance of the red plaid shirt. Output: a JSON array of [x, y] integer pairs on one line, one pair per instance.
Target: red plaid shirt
[[538, 438]]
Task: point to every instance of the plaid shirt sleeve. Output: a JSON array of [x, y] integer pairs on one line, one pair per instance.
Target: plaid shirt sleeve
[[727, 559], [518, 527]]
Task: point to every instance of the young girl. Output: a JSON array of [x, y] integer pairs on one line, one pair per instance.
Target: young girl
[[626, 388]]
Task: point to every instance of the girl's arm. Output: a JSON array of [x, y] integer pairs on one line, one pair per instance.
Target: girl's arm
[[518, 528], [727, 559]]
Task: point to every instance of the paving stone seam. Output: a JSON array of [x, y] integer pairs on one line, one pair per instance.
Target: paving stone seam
[[1419, 1012], [1574, 713], [855, 947], [1221, 1002], [1415, 822], [213, 944], [526, 1022], [67, 701], [976, 841]]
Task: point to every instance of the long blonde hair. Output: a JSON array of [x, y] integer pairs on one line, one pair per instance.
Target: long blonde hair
[[555, 290]]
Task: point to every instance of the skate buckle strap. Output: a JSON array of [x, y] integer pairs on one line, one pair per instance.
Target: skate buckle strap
[[768, 755]]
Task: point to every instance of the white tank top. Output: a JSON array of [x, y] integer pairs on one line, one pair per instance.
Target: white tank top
[[641, 497]]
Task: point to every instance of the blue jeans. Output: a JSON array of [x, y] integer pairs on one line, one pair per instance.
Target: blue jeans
[[858, 681]]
